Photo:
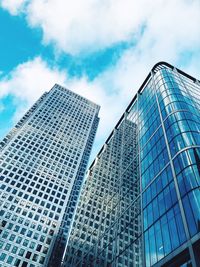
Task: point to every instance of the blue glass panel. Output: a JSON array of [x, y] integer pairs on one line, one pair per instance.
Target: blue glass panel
[[145, 219], [165, 234], [148, 195], [144, 199], [167, 196], [194, 198], [153, 189], [153, 255], [150, 214], [161, 203], [173, 193], [179, 223], [189, 178], [172, 229], [159, 241], [181, 184], [164, 178], [189, 216], [155, 209], [159, 185], [196, 173], [147, 256]]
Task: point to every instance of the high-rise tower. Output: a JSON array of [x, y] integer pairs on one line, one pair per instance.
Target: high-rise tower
[[42, 165], [140, 205]]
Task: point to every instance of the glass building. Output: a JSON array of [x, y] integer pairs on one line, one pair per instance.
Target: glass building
[[42, 165], [140, 204]]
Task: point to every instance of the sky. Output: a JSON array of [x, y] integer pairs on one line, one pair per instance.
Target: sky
[[100, 49]]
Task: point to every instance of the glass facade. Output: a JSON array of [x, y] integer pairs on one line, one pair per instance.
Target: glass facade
[[140, 205], [42, 165]]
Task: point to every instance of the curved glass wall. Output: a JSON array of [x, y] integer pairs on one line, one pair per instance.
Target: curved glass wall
[[171, 201], [144, 185]]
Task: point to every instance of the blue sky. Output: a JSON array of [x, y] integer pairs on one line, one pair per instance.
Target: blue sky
[[101, 49]]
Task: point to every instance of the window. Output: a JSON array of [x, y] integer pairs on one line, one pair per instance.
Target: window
[[2, 256]]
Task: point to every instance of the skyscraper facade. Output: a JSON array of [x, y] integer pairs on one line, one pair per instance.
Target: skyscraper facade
[[140, 205], [42, 165]]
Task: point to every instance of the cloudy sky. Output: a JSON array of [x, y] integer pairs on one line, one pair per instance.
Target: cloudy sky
[[101, 49]]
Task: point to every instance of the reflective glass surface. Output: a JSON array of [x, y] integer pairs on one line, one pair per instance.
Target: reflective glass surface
[[140, 205]]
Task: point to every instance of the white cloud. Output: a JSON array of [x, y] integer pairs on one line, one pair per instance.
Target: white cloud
[[13, 6], [29, 80], [193, 66], [77, 26]]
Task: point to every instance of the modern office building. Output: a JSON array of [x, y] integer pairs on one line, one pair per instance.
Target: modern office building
[[42, 165], [140, 204]]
